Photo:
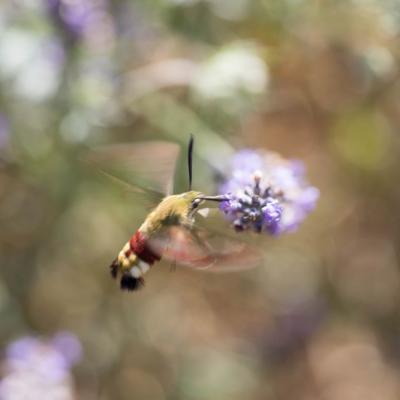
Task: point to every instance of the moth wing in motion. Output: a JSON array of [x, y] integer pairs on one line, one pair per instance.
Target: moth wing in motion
[[213, 220], [144, 167], [203, 249]]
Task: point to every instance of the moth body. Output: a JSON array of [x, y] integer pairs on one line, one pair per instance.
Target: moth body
[[136, 257]]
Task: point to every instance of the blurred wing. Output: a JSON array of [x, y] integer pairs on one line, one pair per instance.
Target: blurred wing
[[204, 250], [214, 221], [143, 167]]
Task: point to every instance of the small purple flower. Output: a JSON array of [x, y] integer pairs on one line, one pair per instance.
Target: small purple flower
[[76, 16], [68, 346], [266, 193], [38, 369], [295, 324], [252, 209]]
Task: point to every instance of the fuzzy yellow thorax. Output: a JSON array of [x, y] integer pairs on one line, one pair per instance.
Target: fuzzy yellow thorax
[[172, 210]]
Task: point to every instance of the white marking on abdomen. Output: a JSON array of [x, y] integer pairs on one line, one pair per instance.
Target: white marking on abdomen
[[136, 272], [144, 266], [140, 269]]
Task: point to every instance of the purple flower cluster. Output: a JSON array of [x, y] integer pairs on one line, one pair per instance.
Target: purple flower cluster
[[40, 370], [77, 16], [266, 193]]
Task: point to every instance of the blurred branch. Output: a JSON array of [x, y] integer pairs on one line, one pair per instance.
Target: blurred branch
[[177, 121]]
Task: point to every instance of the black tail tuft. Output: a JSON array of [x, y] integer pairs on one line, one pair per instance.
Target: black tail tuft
[[130, 283], [114, 268]]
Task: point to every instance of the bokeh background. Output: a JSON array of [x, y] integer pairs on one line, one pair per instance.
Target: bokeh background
[[312, 80]]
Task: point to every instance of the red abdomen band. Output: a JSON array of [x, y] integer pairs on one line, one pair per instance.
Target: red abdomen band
[[141, 249]]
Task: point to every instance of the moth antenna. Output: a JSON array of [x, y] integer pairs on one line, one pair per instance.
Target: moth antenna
[[190, 160]]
